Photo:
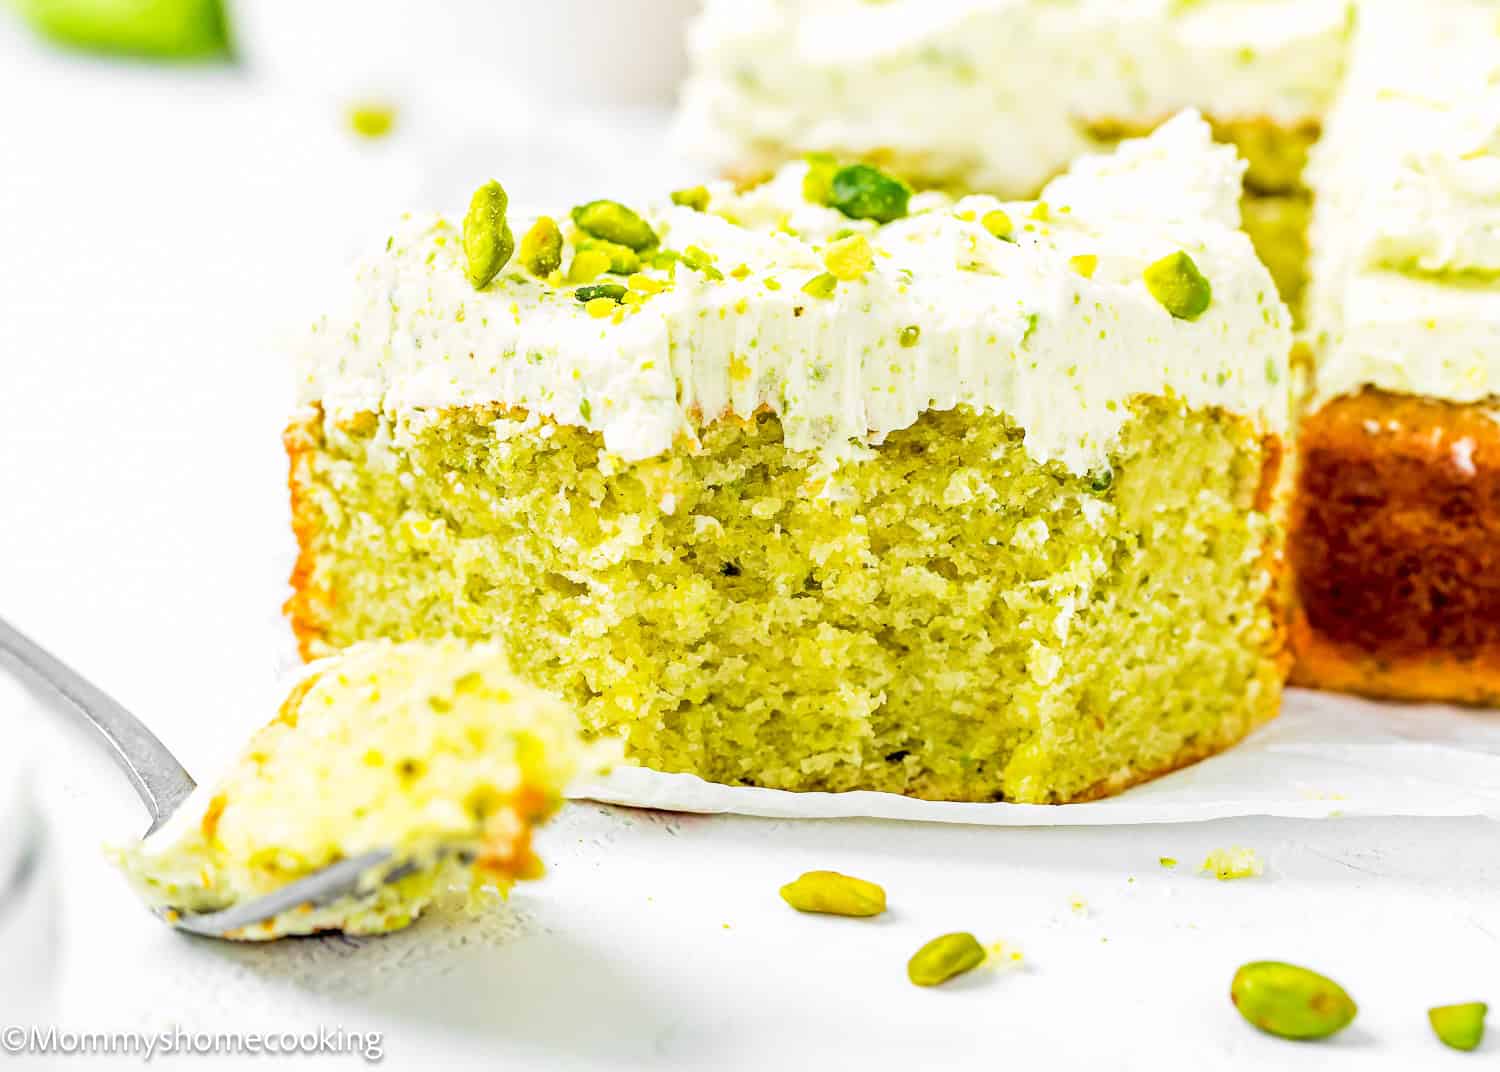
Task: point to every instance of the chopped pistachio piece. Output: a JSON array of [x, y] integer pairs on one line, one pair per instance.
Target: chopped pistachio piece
[[588, 265], [1182, 290], [821, 286], [613, 291], [997, 222], [541, 248], [695, 198], [862, 192], [1225, 864], [370, 119], [599, 308], [943, 958], [817, 184], [641, 283], [487, 240], [700, 260], [613, 222], [850, 258], [910, 335], [622, 259], [1084, 264], [1460, 1027]]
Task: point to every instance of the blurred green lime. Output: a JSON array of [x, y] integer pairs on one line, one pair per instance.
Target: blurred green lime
[[158, 29]]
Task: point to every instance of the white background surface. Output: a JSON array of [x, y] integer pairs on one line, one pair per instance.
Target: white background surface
[[159, 233]]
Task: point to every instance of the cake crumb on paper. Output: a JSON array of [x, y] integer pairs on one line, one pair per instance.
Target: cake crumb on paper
[[1238, 862]]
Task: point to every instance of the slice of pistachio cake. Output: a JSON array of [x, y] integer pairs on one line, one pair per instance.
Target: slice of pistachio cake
[[1398, 510], [822, 485], [433, 751]]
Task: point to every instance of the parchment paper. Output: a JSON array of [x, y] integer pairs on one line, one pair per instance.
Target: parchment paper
[[1327, 755]]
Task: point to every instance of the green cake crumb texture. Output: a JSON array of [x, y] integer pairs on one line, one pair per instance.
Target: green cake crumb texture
[[948, 619]]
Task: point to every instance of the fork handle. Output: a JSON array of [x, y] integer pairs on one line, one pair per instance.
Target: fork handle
[[158, 778]]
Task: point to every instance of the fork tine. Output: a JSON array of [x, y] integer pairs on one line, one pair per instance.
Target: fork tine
[[330, 884]]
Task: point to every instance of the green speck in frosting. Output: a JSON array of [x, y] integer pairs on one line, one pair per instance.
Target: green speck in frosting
[[862, 192], [1182, 290], [613, 222], [821, 286], [488, 242], [910, 335], [1085, 264], [700, 260], [850, 258], [541, 248], [997, 222]]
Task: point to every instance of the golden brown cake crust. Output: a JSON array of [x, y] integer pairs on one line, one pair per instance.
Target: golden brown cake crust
[[308, 607], [1395, 546]]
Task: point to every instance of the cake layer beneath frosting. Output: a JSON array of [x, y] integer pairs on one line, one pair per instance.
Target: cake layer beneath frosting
[[1047, 318]]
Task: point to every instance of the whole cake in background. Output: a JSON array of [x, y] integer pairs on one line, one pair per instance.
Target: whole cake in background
[[821, 484], [1396, 541], [1397, 513], [1000, 95]]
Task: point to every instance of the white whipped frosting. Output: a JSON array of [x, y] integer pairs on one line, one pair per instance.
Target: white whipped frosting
[[1002, 326], [1405, 290], [993, 93]]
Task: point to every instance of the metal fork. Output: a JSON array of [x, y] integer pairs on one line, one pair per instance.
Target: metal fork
[[162, 784]]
